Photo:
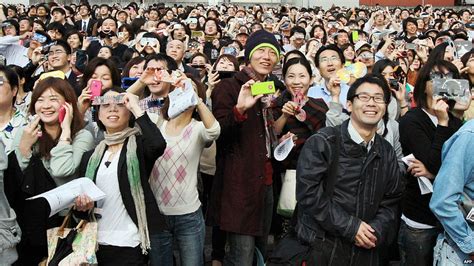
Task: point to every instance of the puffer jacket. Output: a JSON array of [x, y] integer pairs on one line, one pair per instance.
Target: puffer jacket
[[368, 188]]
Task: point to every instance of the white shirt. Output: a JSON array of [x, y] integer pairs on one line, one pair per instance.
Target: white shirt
[[355, 136], [115, 228]]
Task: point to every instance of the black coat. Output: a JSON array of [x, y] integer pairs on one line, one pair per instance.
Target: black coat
[[32, 215], [368, 188], [90, 26], [150, 146]]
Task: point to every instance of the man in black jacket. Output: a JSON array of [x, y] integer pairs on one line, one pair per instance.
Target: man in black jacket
[[362, 211], [86, 24]]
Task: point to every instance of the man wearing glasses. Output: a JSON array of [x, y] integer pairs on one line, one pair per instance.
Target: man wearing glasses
[[353, 223], [59, 57], [329, 59]]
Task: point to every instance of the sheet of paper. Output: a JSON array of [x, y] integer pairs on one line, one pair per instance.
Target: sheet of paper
[[283, 149], [423, 182], [63, 196]]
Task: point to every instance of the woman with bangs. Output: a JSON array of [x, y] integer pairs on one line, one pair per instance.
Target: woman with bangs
[[423, 131], [47, 153]]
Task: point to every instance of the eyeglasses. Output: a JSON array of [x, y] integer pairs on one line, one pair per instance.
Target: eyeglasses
[[363, 97], [328, 59], [57, 52]]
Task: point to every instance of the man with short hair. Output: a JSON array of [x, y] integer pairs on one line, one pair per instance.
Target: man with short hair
[[59, 15], [175, 49], [86, 24], [351, 219], [59, 58], [243, 179], [107, 32], [104, 11], [297, 39], [329, 59], [158, 90], [341, 38]]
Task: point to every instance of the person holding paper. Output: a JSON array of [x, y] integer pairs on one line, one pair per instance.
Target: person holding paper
[[174, 180], [120, 165], [423, 130], [46, 154]]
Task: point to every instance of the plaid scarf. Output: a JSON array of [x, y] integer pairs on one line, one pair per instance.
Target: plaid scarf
[[270, 136], [133, 173]]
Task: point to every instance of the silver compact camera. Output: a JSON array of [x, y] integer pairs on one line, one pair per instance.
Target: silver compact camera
[[452, 89]]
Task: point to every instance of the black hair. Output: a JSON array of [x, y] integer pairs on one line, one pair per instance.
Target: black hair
[[332, 47], [297, 29], [100, 125], [63, 44], [406, 21], [97, 62], [12, 78], [381, 65], [438, 52], [295, 61], [372, 79], [424, 76], [57, 26], [295, 51], [170, 63], [325, 36]]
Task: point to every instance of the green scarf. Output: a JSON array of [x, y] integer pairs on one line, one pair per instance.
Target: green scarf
[[133, 173]]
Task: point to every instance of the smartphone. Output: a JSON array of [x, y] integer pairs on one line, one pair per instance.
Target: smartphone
[[120, 34], [355, 36], [92, 38], [127, 82], [259, 88], [198, 66], [62, 114], [1, 80], [53, 74], [226, 74], [196, 34], [96, 88]]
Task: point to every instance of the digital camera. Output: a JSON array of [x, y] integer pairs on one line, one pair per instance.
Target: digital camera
[[452, 89]]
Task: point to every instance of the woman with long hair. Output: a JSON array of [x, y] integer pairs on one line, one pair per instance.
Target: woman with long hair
[[47, 153]]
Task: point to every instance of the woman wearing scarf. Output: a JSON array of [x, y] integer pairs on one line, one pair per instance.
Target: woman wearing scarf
[[120, 166]]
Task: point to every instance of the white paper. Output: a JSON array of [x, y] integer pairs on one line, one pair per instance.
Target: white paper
[[283, 149], [63, 196], [423, 182]]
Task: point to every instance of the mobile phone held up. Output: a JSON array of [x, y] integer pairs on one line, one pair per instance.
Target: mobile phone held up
[[259, 88], [96, 88], [62, 114]]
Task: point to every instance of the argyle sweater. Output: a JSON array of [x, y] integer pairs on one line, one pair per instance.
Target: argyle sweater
[[174, 175]]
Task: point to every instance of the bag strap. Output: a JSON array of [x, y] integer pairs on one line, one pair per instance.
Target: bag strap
[[332, 170]]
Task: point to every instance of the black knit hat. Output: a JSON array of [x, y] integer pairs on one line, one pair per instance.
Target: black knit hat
[[260, 37]]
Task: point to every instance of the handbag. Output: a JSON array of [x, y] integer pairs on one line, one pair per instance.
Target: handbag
[[287, 200], [73, 246]]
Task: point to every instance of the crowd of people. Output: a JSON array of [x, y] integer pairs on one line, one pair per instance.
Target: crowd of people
[[373, 105]]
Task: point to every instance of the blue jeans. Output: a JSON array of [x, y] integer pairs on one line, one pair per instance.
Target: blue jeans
[[242, 247], [447, 253], [189, 232], [416, 245]]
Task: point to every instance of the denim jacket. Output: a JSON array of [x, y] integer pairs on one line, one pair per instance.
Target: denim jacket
[[455, 176]]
